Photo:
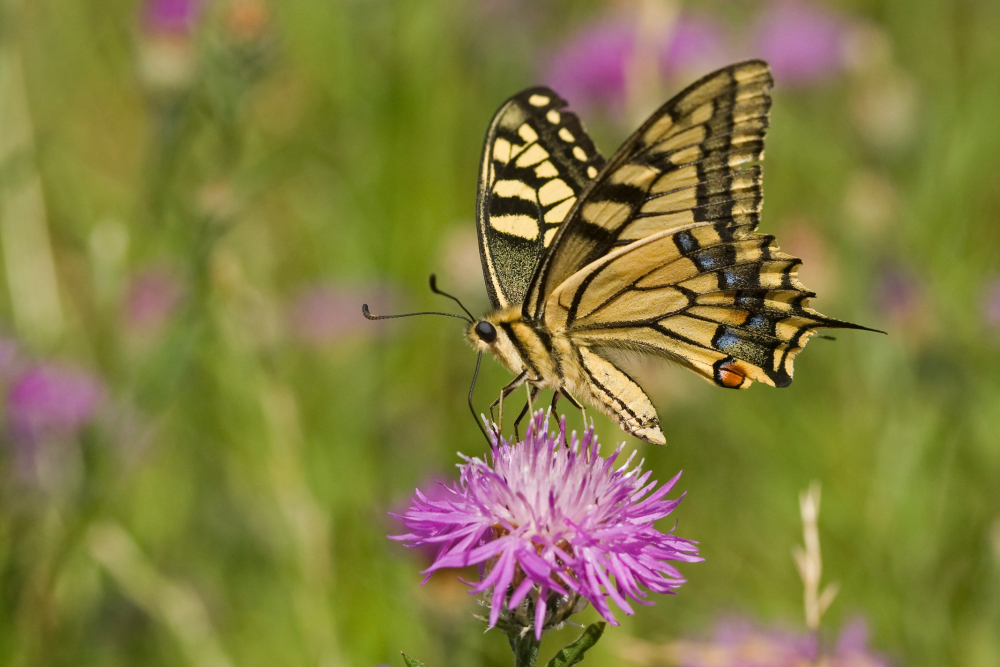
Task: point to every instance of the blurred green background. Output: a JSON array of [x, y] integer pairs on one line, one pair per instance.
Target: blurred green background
[[202, 437]]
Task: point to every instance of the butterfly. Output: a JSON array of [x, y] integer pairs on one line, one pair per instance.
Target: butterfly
[[653, 251]]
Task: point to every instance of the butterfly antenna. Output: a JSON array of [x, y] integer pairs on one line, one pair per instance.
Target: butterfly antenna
[[368, 315], [475, 374], [434, 288]]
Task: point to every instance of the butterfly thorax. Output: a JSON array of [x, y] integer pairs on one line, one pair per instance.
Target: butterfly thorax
[[520, 345]]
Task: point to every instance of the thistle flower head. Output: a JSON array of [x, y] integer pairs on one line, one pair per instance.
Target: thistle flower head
[[553, 525]]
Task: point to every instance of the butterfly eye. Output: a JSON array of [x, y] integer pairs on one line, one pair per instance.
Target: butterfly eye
[[486, 332]]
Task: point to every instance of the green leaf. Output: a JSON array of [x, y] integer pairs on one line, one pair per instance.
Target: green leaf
[[410, 662], [573, 653]]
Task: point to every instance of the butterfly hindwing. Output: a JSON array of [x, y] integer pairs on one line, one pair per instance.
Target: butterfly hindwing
[[537, 158], [732, 310], [685, 165], [617, 394]]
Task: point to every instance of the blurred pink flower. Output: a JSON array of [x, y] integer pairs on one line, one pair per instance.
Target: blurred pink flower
[[740, 643], [152, 299], [898, 295], [745, 645], [173, 16], [802, 41], [853, 641], [696, 46], [902, 303], [166, 57], [991, 303], [51, 400], [591, 68], [326, 313]]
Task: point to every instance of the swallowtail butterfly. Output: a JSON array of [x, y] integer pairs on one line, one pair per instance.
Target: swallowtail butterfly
[[652, 251]]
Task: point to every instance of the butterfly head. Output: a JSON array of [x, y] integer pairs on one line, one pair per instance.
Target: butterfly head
[[486, 334], [485, 331], [493, 334]]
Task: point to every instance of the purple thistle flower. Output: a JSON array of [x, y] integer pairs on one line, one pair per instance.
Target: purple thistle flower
[[167, 51], [49, 400], [591, 68], [436, 490], [697, 44], [902, 299], [740, 643], [553, 521], [175, 16], [803, 42]]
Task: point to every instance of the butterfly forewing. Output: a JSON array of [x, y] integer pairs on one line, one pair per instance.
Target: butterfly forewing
[[684, 166], [537, 158]]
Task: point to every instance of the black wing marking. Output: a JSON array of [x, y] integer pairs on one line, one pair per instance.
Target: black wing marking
[[536, 160]]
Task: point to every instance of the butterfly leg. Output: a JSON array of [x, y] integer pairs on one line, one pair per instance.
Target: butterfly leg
[[508, 388], [532, 392], [575, 403]]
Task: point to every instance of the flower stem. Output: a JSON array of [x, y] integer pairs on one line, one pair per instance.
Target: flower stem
[[525, 648]]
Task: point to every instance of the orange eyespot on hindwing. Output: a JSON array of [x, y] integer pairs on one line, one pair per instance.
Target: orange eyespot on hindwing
[[731, 374]]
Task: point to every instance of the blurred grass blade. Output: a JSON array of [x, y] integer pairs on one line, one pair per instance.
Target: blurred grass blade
[[176, 605], [24, 233]]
